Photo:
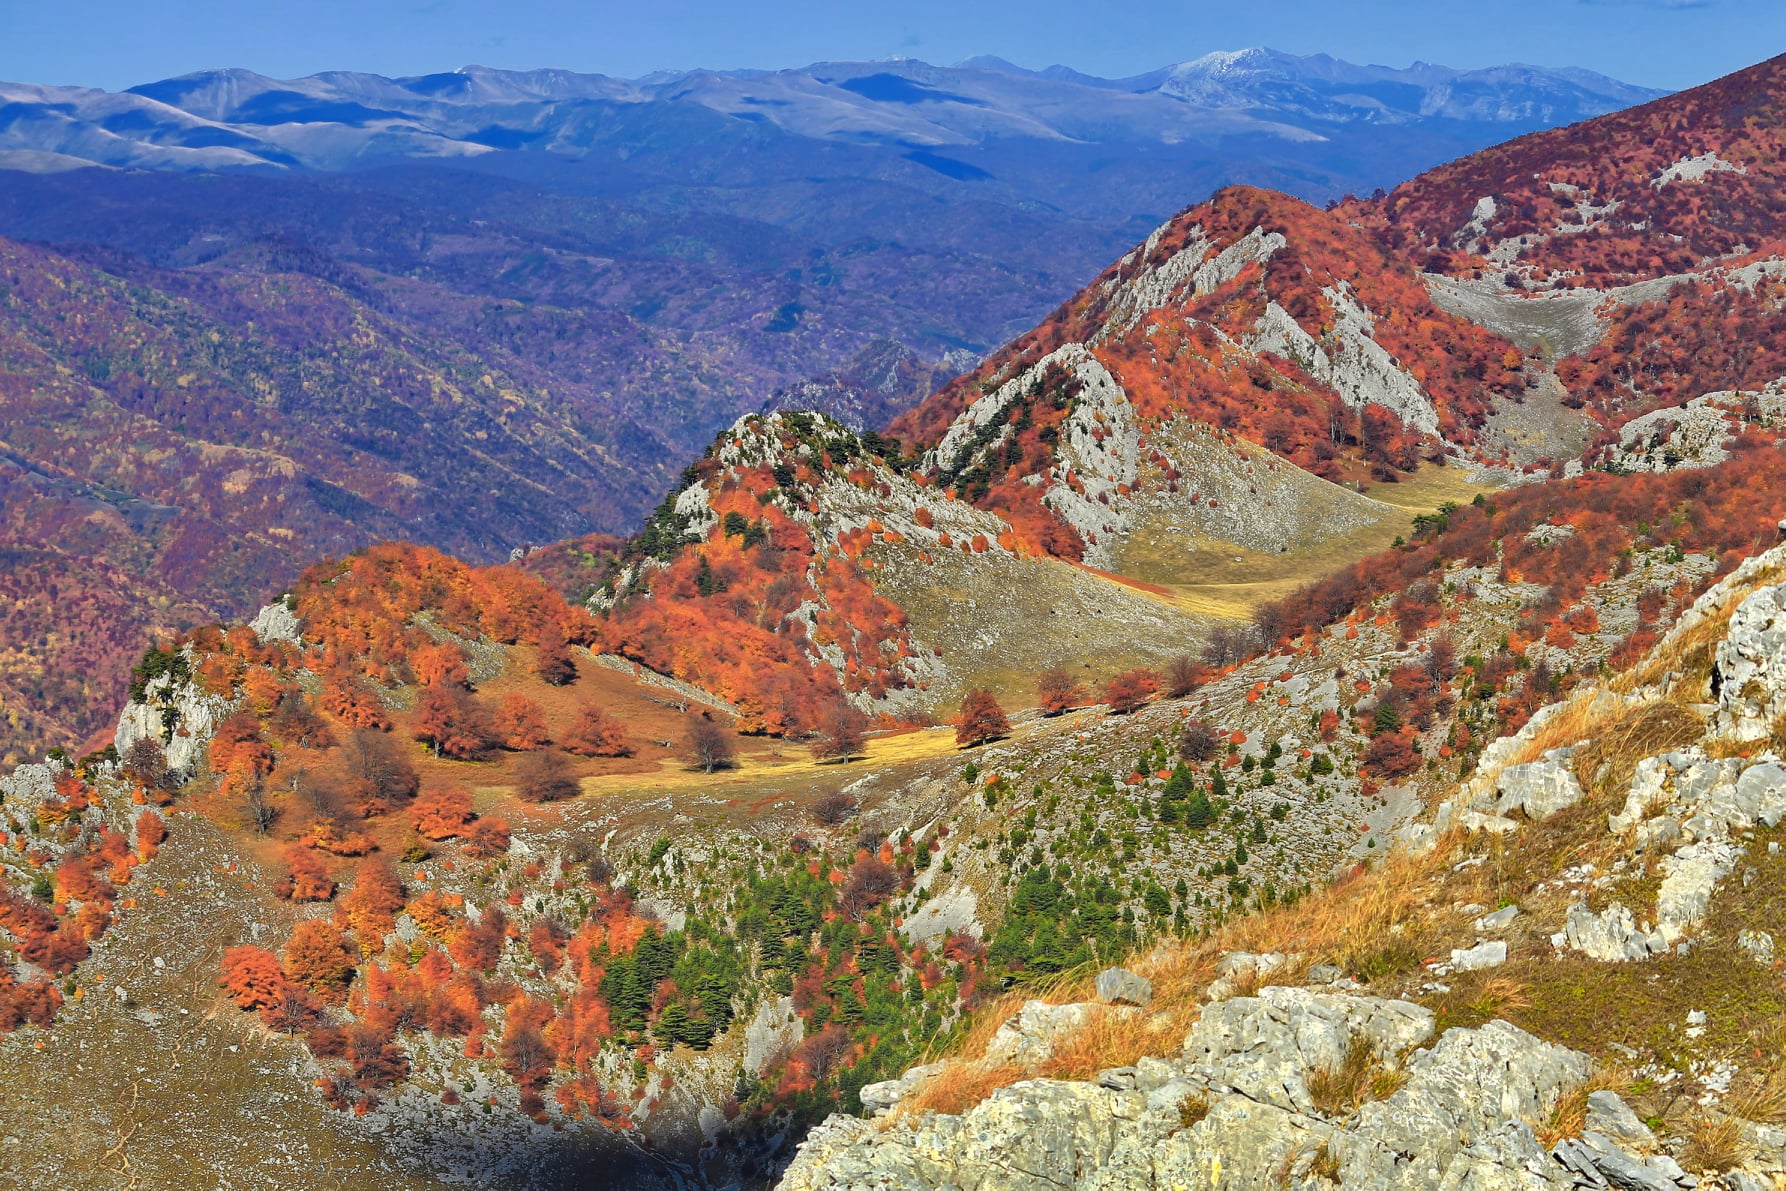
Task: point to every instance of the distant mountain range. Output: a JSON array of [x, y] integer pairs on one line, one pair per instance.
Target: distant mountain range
[[236, 119]]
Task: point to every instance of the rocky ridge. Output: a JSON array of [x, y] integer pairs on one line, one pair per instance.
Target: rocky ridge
[[1248, 1100]]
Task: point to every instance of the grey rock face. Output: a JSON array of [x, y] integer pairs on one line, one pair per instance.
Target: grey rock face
[[179, 716], [1609, 1115], [1030, 1037], [1610, 936], [1540, 788], [1263, 1046], [775, 1030], [1119, 986], [954, 910], [1750, 667], [1595, 1154], [276, 622], [1233, 1112]]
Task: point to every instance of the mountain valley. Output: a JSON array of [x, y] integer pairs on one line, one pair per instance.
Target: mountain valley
[[1305, 712]]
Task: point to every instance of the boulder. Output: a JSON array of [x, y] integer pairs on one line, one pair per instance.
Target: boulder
[[1758, 945], [1691, 876], [276, 622], [1749, 668], [1483, 955], [1540, 788], [1474, 821], [1610, 936], [1119, 986], [1595, 1154], [1501, 919], [1029, 1038], [1609, 1115], [1762, 791], [881, 1097]]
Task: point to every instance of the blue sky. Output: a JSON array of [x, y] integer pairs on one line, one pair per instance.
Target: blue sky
[[117, 43]]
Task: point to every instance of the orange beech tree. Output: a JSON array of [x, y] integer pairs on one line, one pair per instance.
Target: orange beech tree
[[1129, 691], [594, 734], [520, 724], [1058, 691], [981, 719]]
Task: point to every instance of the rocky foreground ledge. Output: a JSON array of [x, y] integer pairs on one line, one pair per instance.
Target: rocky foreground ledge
[[1318, 1087], [1249, 1103]]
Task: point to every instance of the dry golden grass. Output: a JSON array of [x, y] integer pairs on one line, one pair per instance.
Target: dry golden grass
[[1359, 1076], [1377, 911], [1570, 1115], [1766, 1105], [958, 1088], [1476, 999], [1689, 653], [1178, 975], [1119, 1039], [1714, 1142], [1605, 764], [1325, 1164], [1575, 721], [1382, 911]]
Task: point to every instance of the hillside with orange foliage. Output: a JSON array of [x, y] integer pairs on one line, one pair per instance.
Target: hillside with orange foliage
[[1595, 203], [1706, 336], [540, 964], [1216, 353], [1726, 512], [756, 608]]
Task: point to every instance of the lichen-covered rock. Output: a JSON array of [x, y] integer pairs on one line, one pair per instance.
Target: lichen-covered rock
[[1209, 1120], [1539, 788], [1264, 1046], [1119, 986], [1749, 671], [1030, 1037]]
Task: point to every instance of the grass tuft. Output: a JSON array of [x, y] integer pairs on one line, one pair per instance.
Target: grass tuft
[[1359, 1076], [1714, 1143], [1570, 1115], [1606, 763]]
